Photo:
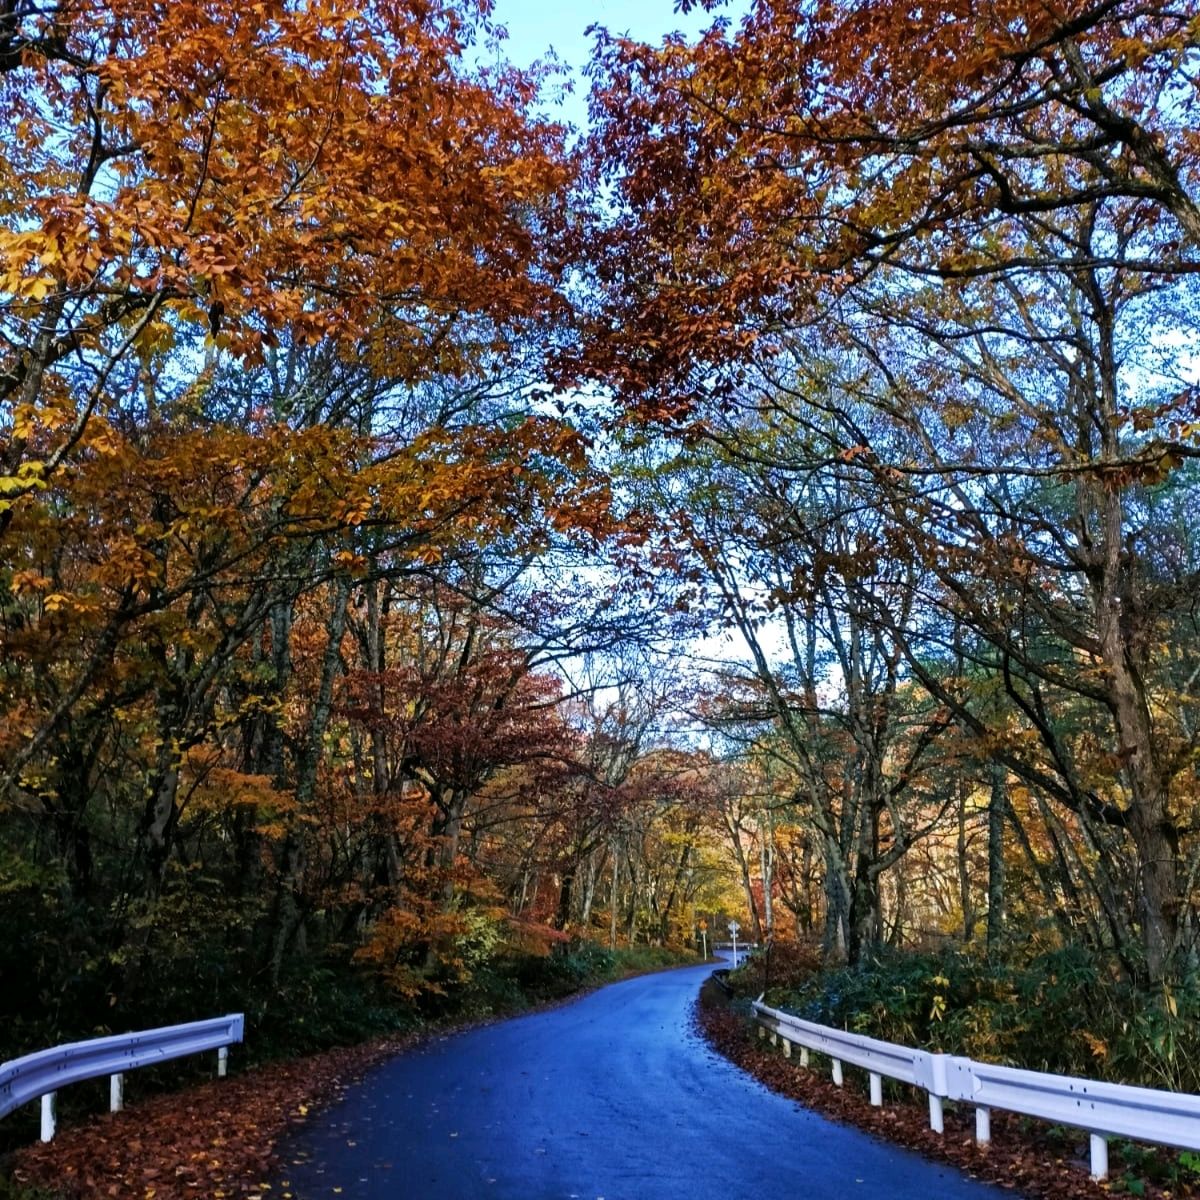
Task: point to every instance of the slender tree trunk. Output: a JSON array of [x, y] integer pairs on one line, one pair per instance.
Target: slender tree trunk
[[562, 917], [836, 942], [896, 937], [613, 896], [288, 908], [966, 903], [589, 891], [735, 832], [766, 860], [1150, 823], [997, 812]]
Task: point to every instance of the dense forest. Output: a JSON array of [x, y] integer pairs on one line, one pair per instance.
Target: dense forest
[[440, 549]]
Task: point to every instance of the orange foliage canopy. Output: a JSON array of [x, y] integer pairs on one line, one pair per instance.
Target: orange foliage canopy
[[761, 172], [328, 169]]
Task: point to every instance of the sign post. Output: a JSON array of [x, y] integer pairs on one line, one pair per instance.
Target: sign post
[[733, 932], [704, 938]]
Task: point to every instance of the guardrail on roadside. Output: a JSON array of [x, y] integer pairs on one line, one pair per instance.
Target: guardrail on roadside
[[42, 1074], [1102, 1109]]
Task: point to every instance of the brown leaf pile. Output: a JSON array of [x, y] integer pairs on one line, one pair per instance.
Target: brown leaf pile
[[215, 1141], [1022, 1155]]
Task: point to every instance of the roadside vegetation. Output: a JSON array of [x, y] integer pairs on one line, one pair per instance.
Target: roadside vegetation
[[1060, 1011], [1030, 1158], [350, 1009]]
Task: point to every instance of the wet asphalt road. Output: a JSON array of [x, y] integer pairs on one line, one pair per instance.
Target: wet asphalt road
[[614, 1096]]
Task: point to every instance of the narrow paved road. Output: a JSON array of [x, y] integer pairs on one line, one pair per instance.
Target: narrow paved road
[[614, 1096]]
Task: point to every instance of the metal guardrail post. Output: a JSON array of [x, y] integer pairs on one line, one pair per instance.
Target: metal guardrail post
[[222, 1062], [1099, 1156], [49, 1116], [983, 1125], [116, 1093]]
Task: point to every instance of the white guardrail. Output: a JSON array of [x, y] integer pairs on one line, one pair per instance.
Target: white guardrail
[[42, 1074], [1102, 1109]]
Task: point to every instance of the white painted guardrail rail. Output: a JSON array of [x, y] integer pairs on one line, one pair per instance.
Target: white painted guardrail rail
[[43, 1073], [1102, 1109]]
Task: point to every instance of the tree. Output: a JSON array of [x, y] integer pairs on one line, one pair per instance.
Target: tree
[[328, 172], [902, 241], [274, 287]]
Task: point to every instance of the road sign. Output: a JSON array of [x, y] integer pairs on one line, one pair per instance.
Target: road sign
[[734, 928], [703, 925]]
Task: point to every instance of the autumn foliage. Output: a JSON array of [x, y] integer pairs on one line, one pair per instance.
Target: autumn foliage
[[427, 542], [913, 285], [281, 728]]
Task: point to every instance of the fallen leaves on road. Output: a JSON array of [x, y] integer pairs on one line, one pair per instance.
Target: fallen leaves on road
[[215, 1141], [1023, 1156]]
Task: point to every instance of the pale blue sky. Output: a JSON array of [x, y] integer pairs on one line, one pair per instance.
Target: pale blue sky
[[536, 26]]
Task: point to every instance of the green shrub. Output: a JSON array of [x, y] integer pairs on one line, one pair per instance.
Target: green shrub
[[1061, 1011]]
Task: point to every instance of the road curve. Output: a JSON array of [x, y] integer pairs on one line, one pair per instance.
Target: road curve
[[614, 1096]]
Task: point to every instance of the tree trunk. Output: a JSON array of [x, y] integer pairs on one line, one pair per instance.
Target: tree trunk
[[766, 859], [595, 864], [613, 897], [288, 908], [562, 918], [997, 811], [964, 868], [836, 942]]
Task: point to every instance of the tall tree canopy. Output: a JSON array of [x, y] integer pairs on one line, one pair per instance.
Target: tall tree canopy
[[945, 257], [373, 460]]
